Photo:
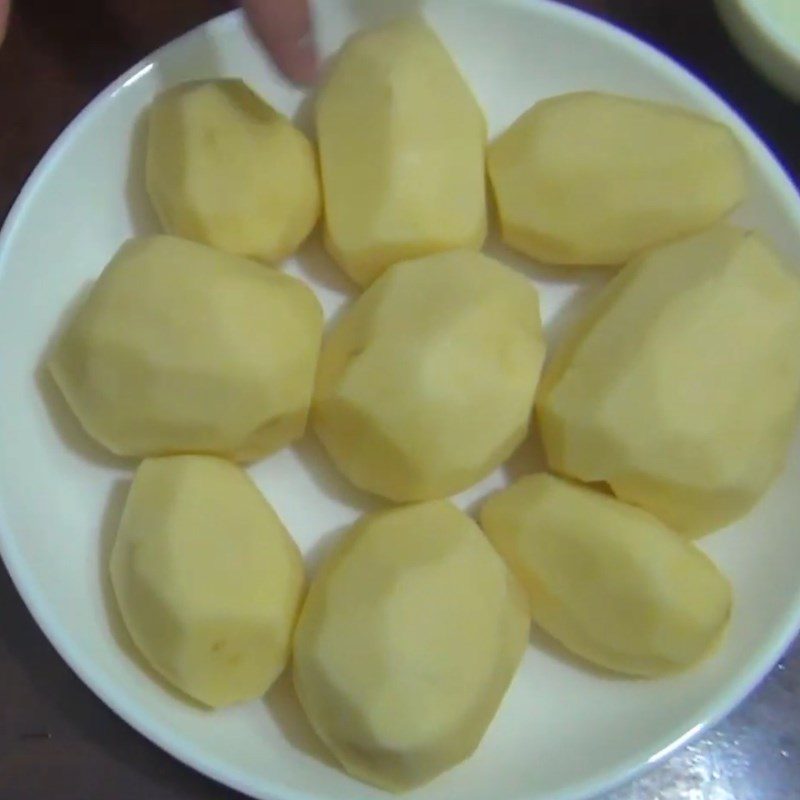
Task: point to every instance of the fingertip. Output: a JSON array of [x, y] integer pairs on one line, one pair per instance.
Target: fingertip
[[298, 60], [284, 26]]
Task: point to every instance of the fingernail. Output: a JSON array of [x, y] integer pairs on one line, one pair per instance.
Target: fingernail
[[299, 60]]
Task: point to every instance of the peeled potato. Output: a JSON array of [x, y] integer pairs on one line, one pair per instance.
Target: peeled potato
[[406, 644], [227, 170], [427, 382], [207, 578], [594, 178], [680, 389], [401, 142], [609, 581], [179, 348]]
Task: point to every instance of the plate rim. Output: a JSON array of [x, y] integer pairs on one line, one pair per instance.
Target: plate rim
[[709, 714]]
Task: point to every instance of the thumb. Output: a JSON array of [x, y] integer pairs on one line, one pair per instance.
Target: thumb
[[285, 28]]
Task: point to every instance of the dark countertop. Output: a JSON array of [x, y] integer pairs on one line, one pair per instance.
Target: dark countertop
[[57, 740]]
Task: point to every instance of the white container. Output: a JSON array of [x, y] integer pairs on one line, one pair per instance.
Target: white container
[[768, 34]]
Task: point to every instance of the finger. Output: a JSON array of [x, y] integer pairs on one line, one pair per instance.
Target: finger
[[285, 28], [5, 7]]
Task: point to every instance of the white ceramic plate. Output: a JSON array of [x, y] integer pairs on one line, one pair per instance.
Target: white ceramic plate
[[563, 731]]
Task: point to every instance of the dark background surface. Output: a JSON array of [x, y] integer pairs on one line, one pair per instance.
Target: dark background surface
[[59, 742]]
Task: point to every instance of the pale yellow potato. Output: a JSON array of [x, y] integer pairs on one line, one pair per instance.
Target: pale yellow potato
[[611, 582], [180, 348], [406, 644], [207, 578], [681, 386], [401, 140], [426, 384], [225, 169], [593, 178]]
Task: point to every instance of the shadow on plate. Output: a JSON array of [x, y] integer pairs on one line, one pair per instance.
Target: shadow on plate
[[284, 707], [319, 268], [495, 247], [304, 116], [528, 458], [323, 548], [544, 643], [312, 257], [562, 325], [281, 700], [543, 274], [142, 215], [316, 463]]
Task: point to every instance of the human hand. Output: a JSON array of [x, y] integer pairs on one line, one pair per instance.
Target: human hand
[[285, 28], [283, 25]]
